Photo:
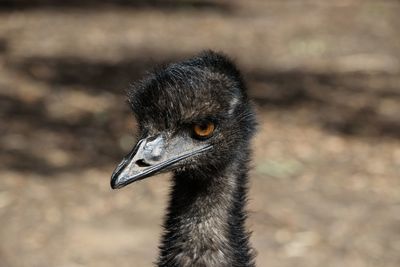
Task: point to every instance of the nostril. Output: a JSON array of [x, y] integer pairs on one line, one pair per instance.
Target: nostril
[[142, 163]]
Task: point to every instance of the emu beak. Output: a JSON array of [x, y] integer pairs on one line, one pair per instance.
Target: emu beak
[[153, 155]]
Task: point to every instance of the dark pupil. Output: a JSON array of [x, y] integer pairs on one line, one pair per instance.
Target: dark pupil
[[203, 127]]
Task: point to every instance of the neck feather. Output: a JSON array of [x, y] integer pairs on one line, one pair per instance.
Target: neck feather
[[204, 225]]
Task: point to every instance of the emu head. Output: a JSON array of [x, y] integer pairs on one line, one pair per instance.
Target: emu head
[[192, 116]]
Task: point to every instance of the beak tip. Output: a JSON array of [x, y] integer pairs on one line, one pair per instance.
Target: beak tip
[[114, 183], [118, 181]]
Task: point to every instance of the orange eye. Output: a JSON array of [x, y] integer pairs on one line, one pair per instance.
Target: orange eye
[[204, 130]]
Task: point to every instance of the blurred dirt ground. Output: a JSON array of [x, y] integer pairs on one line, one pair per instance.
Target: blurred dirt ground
[[325, 187]]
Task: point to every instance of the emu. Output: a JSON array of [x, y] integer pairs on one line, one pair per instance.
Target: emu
[[196, 120]]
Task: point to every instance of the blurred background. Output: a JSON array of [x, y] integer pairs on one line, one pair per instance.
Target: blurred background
[[325, 78]]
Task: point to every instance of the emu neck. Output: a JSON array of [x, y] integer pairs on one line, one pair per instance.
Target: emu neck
[[204, 225]]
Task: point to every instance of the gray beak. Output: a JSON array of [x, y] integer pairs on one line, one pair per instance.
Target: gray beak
[[153, 155]]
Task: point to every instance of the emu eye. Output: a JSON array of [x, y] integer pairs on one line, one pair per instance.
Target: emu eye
[[203, 130]]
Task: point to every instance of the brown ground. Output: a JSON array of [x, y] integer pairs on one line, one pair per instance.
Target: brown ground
[[325, 188]]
